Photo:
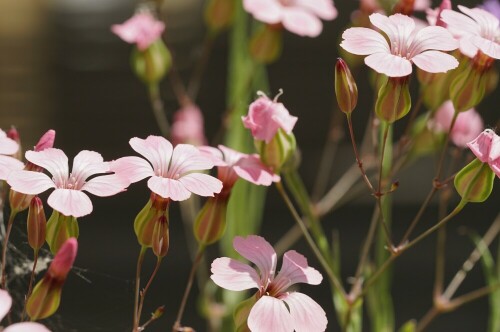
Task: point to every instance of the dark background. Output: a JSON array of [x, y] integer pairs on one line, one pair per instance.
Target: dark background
[[62, 68]]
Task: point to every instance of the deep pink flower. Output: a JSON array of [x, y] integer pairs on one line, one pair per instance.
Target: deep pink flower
[[301, 17], [233, 165], [68, 197], [266, 116], [406, 45], [188, 126], [174, 172], [467, 126], [477, 30], [277, 308], [7, 163], [486, 147], [5, 304], [141, 29]]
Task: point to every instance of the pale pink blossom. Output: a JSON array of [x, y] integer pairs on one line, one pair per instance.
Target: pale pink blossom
[[7, 163], [486, 147], [68, 197], [266, 116], [302, 17], [141, 29], [188, 126], [406, 45], [467, 126], [433, 15], [232, 164], [174, 172], [477, 30], [5, 304], [277, 309]]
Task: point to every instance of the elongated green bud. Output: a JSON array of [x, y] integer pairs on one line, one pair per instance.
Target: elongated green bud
[[474, 182], [59, 229], [210, 223], [394, 100], [468, 88], [36, 224], [146, 219], [346, 90]]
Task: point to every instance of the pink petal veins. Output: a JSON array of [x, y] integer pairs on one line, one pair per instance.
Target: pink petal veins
[[251, 169], [156, 149], [306, 314], [270, 314], [132, 169], [488, 47], [7, 145], [364, 41], [187, 158], [388, 64], [7, 165], [87, 163], [201, 184], [106, 185], [70, 202], [28, 182], [234, 275], [258, 251], [435, 61], [296, 270], [53, 160], [168, 188]]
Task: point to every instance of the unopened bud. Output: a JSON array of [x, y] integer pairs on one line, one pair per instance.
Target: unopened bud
[[266, 44], [210, 223], [36, 224], [146, 219], [445, 4], [394, 100], [13, 134], [474, 182], [278, 151], [60, 228], [468, 88], [151, 64], [346, 90], [46, 141], [405, 7], [158, 312], [161, 240], [219, 14], [46, 296]]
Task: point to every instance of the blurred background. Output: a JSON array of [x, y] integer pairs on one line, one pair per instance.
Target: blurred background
[[62, 68]]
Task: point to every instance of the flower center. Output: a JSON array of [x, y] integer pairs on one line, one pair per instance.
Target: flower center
[[72, 183]]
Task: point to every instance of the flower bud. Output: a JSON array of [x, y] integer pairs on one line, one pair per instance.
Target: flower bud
[[46, 296], [13, 134], [278, 151], [161, 239], [46, 141], [210, 223], [219, 14], [346, 90], [146, 219], [468, 88], [60, 228], [36, 224], [394, 100], [474, 182], [266, 44], [151, 64], [404, 7]]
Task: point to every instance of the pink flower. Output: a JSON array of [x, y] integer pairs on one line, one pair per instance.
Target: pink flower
[[68, 197], [141, 29], [5, 304], [486, 147], [477, 31], [406, 45], [277, 308], [434, 15], [266, 116], [233, 165], [187, 127], [173, 172], [7, 163], [467, 125], [301, 17]]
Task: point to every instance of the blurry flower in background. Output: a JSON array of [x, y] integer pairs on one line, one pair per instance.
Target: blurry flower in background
[[188, 126], [8, 147], [141, 29], [492, 6], [302, 17]]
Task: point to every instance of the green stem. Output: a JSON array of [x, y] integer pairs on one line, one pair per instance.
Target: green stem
[[145, 290], [13, 214], [140, 260], [158, 109]]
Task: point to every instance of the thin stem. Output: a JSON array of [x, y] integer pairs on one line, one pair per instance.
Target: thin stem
[[471, 296], [145, 290], [13, 214], [140, 259], [32, 279], [447, 142], [158, 109], [199, 69], [427, 319], [382, 153], [328, 268], [440, 262], [177, 325]]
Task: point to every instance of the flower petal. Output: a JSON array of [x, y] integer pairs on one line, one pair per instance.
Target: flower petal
[[70, 202], [187, 158], [214, 154], [388, 64], [488, 47], [7, 145], [87, 163], [435, 62], [459, 24], [53, 160], [295, 270], [28, 182], [321, 8], [5, 303], [26, 327], [201, 184], [270, 314], [251, 169], [132, 169], [432, 38], [267, 11], [301, 22], [7, 165], [481, 146], [364, 41], [168, 188], [258, 251], [106, 185], [156, 149], [306, 314], [230, 274]]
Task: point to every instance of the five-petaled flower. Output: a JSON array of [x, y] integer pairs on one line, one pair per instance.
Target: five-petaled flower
[[5, 304], [174, 172], [477, 30], [7, 163], [68, 197], [141, 29], [486, 147], [301, 17], [406, 45], [277, 308]]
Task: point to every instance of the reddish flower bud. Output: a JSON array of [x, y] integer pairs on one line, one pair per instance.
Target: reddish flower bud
[[36, 224], [13, 134], [146, 219], [210, 223], [266, 44], [394, 100], [46, 296], [346, 90], [161, 239], [46, 141], [60, 228], [219, 14]]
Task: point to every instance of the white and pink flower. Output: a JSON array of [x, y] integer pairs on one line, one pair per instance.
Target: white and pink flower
[[277, 308], [68, 197], [486, 147], [405, 45], [141, 29], [188, 126], [8, 163], [5, 304], [476, 30], [302, 17], [173, 172]]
